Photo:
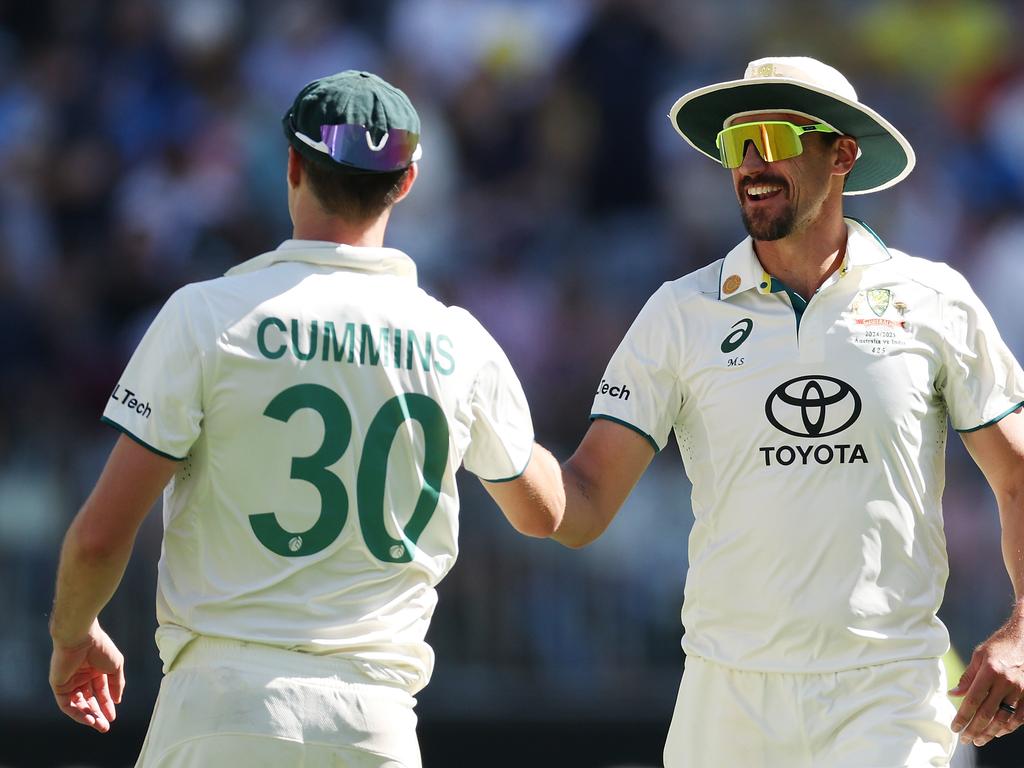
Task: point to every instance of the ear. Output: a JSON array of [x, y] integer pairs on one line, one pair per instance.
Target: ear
[[294, 167], [845, 155], [408, 180]]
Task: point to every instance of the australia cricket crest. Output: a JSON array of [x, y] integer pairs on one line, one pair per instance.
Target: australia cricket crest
[[878, 300]]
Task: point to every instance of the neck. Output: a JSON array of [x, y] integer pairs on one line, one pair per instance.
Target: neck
[[804, 260], [316, 225]]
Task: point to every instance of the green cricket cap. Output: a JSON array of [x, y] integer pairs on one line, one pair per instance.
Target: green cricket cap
[[355, 121]]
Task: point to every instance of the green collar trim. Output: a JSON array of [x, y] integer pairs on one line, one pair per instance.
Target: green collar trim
[[798, 301]]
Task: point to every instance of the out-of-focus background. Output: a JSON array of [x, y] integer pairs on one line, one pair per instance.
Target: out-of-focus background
[[140, 148]]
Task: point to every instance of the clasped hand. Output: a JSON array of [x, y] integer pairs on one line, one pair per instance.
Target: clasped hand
[[994, 677]]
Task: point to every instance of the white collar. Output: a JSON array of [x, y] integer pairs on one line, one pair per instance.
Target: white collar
[[387, 261], [742, 271]]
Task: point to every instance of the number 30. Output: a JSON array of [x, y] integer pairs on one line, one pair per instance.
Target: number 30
[[370, 479]]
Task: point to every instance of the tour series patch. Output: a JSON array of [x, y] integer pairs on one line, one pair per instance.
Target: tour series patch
[[877, 321]]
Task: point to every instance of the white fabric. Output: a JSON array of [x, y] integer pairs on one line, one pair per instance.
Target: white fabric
[[271, 384], [226, 703], [884, 716], [818, 542], [802, 69]]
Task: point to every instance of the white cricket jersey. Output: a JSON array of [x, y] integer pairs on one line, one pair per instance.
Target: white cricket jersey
[[321, 403], [815, 442]]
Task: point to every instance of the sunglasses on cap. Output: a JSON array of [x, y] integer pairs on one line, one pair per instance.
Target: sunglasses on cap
[[352, 145], [774, 140]]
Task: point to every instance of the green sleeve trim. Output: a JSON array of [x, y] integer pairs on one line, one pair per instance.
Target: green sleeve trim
[[139, 440], [651, 440], [517, 475], [989, 423]]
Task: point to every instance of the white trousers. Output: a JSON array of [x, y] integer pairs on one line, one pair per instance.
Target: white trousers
[[885, 716], [225, 703]]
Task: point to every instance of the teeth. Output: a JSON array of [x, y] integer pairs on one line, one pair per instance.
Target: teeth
[[757, 190]]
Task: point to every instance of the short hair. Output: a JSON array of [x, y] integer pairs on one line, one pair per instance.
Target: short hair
[[355, 197]]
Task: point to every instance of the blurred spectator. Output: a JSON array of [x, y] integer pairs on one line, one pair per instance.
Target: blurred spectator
[[618, 66], [298, 41], [937, 44]]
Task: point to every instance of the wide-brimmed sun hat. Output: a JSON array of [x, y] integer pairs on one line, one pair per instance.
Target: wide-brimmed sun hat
[[805, 86]]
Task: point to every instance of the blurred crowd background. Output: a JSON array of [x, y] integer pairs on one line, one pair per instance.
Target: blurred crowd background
[[141, 148]]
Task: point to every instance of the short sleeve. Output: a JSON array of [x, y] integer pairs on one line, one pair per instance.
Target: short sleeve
[[981, 380], [158, 399], [501, 435], [641, 387]]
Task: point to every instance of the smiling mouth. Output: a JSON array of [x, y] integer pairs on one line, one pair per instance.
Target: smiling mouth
[[762, 191]]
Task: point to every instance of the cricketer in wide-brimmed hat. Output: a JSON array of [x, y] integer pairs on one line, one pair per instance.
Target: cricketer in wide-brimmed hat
[[805, 86], [354, 122]]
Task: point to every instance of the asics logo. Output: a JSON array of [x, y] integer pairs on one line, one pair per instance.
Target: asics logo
[[737, 337]]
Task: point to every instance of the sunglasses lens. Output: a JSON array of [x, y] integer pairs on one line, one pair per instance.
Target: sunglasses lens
[[353, 145], [773, 141]]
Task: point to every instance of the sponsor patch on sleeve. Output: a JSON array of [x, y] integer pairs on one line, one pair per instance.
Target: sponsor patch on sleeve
[[131, 401]]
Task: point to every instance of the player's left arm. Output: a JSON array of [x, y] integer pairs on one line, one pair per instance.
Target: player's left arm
[[86, 668], [996, 671]]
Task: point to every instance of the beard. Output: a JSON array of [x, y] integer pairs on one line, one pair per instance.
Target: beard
[[762, 225]]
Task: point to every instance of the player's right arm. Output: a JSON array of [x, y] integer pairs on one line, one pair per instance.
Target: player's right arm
[[533, 502], [598, 477], [634, 410], [157, 406], [86, 668], [502, 440]]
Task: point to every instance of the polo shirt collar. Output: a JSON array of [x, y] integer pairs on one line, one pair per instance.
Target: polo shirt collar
[[742, 271], [383, 261]]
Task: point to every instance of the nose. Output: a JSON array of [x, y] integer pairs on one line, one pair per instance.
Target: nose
[[752, 160]]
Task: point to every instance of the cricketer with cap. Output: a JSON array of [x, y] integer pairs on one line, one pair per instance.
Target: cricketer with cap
[[304, 416], [808, 377]]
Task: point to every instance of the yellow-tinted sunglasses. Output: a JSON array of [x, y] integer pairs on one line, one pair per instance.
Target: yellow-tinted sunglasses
[[774, 140]]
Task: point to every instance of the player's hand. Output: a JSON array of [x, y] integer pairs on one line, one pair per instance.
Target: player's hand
[[88, 679], [995, 676]]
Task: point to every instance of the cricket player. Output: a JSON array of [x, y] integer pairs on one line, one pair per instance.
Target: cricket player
[[304, 417], [808, 377]]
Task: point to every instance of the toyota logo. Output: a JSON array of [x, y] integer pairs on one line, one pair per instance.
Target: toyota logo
[[812, 406]]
